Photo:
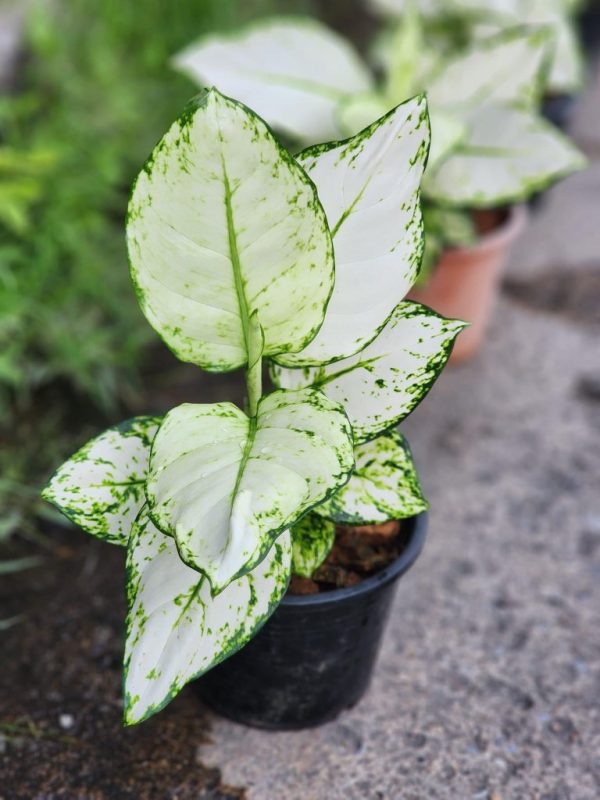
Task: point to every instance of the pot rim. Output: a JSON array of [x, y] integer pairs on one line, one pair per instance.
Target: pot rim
[[501, 236], [391, 573]]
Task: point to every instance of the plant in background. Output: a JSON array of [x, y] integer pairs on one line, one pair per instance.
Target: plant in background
[[455, 22], [232, 255], [490, 146]]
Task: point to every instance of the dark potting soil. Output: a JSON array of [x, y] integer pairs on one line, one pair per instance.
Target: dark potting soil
[[489, 219], [61, 734], [358, 552]]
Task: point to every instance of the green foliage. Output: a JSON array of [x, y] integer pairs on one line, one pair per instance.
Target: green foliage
[[93, 96]]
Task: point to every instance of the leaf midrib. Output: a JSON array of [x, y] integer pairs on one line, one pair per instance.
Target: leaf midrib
[[235, 257]]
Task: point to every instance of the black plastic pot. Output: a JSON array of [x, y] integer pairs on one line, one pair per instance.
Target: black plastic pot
[[315, 655]]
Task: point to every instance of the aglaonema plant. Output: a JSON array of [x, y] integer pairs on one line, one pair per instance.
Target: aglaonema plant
[[451, 23], [231, 244], [490, 145]]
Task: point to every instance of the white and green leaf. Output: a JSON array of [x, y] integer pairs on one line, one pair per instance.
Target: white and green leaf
[[454, 226], [509, 156], [407, 44], [176, 630], [508, 69], [224, 224], [567, 65], [358, 111], [101, 487], [383, 486], [443, 8], [383, 383], [293, 72], [447, 133], [225, 485], [369, 187], [312, 540]]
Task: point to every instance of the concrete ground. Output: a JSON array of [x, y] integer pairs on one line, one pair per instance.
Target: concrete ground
[[488, 686]]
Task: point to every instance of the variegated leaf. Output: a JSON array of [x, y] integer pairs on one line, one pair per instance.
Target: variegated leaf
[[383, 383], [447, 133], [507, 69], [567, 66], [443, 8], [176, 630], [509, 155], [223, 223], [101, 487], [358, 112], [225, 485], [383, 486], [454, 226], [369, 187], [312, 539], [293, 72]]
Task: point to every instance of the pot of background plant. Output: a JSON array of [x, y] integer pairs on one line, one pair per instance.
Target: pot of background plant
[[231, 244], [491, 150]]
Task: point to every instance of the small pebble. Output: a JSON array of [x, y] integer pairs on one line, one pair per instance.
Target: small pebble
[[66, 721]]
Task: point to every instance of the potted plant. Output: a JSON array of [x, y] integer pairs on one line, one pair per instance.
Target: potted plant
[[231, 244], [459, 22], [491, 150]]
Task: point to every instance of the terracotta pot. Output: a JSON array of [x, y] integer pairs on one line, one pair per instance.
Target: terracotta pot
[[465, 282]]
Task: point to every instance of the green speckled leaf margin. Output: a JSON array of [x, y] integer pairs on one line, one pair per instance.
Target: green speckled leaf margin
[[383, 486], [101, 487], [383, 383], [222, 223], [312, 539], [369, 188], [176, 630], [226, 485]]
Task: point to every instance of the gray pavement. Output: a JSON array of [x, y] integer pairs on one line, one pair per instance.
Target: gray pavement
[[488, 686]]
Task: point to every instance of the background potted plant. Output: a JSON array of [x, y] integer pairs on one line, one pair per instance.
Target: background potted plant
[[232, 256], [491, 149], [459, 22]]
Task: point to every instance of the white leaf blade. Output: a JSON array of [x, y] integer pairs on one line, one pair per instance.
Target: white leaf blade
[[312, 539], [101, 487], [383, 383], [447, 133], [225, 485], [508, 156], [273, 68], [505, 69], [223, 223], [384, 485], [369, 188], [176, 630]]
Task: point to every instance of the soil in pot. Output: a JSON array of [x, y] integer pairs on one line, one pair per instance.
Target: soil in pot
[[314, 657], [358, 552], [465, 282]]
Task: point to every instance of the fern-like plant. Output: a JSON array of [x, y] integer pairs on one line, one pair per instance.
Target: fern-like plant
[[231, 244]]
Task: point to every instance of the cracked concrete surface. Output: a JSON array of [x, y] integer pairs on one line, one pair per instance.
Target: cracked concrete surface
[[488, 686]]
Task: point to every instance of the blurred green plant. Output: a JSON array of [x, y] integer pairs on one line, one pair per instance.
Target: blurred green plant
[[93, 95]]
